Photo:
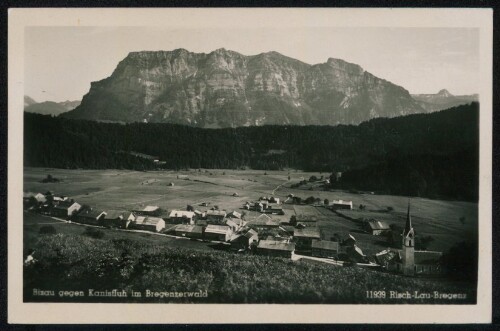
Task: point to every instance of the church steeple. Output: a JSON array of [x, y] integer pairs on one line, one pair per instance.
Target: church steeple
[[408, 227]]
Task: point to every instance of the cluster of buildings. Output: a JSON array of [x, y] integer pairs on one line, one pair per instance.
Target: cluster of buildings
[[261, 234], [267, 205]]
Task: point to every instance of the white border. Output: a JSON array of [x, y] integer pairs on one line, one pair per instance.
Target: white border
[[28, 313]]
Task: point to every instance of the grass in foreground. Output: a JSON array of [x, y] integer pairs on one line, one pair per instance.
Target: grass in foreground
[[80, 263]]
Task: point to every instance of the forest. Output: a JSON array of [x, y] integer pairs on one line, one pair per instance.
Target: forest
[[432, 155]]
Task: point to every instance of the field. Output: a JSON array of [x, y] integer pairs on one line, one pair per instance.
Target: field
[[448, 222]]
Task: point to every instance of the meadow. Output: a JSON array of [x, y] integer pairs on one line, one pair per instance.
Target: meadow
[[448, 222]]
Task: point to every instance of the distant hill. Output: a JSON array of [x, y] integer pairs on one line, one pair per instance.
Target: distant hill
[[48, 107], [443, 100], [28, 101], [227, 89], [439, 150]]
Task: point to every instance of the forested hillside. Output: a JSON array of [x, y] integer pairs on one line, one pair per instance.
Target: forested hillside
[[428, 146]]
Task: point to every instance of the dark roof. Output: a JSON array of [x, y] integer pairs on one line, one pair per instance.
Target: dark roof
[[328, 245], [64, 204], [115, 214], [276, 245], [378, 225], [309, 232], [89, 213]]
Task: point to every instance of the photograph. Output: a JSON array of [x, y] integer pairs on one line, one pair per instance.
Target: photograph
[[213, 157]]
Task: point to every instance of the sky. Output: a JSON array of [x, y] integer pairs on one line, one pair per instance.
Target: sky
[[61, 62]]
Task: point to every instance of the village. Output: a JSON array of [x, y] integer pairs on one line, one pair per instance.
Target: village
[[258, 227]]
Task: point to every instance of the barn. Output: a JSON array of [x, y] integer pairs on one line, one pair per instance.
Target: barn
[[262, 222], [217, 232], [376, 228], [304, 237], [215, 216], [243, 241], [341, 204], [65, 208], [182, 216], [117, 219], [90, 216], [147, 223], [189, 231], [148, 211], [276, 248], [321, 248]]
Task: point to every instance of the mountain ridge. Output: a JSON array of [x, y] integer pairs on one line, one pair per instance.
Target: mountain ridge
[[224, 88]]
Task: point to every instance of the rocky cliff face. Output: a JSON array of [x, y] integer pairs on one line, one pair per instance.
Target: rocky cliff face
[[228, 89]]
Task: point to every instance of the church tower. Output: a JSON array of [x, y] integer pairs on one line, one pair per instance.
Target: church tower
[[408, 245]]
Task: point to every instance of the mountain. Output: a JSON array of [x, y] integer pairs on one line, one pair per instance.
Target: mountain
[[443, 100], [48, 107], [28, 101], [228, 89]]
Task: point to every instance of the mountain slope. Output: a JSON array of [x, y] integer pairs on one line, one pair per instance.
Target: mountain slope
[[48, 107], [443, 100], [228, 89]]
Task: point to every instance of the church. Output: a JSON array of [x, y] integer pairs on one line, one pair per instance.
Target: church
[[408, 261]]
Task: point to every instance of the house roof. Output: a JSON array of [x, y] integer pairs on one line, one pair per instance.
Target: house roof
[[114, 214], [307, 232], [232, 223], [216, 213], [251, 233], [342, 202], [65, 205], [276, 245], [141, 220], [235, 214], [189, 228], [220, 229], [181, 213], [327, 245], [151, 208], [91, 213], [378, 225]]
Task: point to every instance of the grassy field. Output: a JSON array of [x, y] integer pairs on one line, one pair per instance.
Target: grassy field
[[77, 263], [124, 189]]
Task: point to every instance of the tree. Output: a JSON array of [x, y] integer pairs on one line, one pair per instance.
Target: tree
[[189, 208], [313, 178], [326, 202]]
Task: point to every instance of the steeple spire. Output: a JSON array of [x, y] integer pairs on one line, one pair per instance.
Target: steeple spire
[[408, 226]]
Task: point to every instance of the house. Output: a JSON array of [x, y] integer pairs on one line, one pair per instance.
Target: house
[[274, 200], [341, 204], [376, 228], [276, 248], [182, 216], [147, 223], [234, 214], [41, 198], [304, 237], [217, 232], [189, 231], [274, 209], [215, 216], [356, 255], [262, 222], [244, 241], [89, 216], [349, 241], [117, 219], [66, 208], [321, 248], [288, 228], [149, 211], [234, 224]]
